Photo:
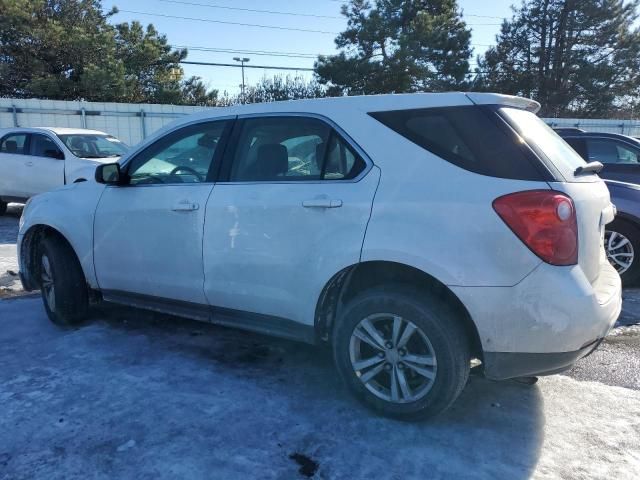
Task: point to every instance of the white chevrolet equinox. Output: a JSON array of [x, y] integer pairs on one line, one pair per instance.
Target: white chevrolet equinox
[[415, 234]]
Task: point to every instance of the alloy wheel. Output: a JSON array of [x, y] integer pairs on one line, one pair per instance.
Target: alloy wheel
[[393, 358], [48, 288], [619, 250]]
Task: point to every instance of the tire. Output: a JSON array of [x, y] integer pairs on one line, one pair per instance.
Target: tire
[[433, 320], [3, 208], [631, 275], [62, 283]]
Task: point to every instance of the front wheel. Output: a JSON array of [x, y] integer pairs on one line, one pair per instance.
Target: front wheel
[[62, 283], [622, 245], [402, 352]]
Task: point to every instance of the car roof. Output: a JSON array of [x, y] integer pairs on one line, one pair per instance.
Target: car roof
[[56, 130], [618, 136], [372, 103], [337, 106], [568, 130]]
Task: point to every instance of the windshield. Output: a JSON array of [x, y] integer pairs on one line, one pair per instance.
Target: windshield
[[94, 146], [540, 137]]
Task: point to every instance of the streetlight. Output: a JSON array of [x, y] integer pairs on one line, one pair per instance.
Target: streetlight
[[242, 62]]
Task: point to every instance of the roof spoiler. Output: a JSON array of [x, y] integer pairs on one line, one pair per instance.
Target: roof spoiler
[[507, 100]]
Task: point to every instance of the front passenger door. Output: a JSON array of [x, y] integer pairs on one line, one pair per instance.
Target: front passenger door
[[44, 167], [148, 233]]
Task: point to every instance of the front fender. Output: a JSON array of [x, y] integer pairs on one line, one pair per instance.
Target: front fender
[[69, 211], [84, 171]]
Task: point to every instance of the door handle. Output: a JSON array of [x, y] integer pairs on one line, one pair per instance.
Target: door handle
[[185, 206], [29, 164], [322, 203]]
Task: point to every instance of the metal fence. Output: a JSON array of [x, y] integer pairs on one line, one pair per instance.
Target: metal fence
[[132, 122], [129, 122], [625, 127]]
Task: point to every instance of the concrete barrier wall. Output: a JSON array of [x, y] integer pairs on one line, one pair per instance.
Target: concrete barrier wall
[[132, 122]]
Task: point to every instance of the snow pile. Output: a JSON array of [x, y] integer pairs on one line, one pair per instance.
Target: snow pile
[[134, 395]]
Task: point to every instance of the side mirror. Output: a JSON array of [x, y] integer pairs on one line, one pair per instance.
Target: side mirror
[[109, 174]]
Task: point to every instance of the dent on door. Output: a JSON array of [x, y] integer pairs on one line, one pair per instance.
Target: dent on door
[[270, 248]]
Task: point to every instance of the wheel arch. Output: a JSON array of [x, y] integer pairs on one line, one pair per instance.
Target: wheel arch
[[353, 279], [29, 250], [626, 217]]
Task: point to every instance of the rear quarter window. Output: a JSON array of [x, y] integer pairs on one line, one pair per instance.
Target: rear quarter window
[[547, 144], [470, 137]]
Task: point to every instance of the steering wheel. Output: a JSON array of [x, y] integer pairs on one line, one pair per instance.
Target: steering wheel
[[150, 179], [190, 170]]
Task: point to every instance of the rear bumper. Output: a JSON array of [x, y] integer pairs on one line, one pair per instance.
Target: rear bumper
[[546, 322], [502, 366]]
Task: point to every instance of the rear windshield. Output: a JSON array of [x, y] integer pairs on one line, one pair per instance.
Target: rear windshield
[[470, 137], [541, 138]]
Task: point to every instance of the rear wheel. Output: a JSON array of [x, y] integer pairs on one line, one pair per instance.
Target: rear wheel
[[62, 283], [622, 245], [401, 352]]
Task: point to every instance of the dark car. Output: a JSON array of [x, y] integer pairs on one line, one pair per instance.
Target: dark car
[[622, 236], [619, 154]]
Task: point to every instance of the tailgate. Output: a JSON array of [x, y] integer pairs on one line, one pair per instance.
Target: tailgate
[[593, 210]]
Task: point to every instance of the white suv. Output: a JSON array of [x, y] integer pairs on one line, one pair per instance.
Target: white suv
[[412, 233], [36, 160]]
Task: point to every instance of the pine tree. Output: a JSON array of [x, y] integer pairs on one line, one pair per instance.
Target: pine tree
[[576, 57], [398, 46]]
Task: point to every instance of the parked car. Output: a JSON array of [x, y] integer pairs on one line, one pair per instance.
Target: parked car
[[622, 236], [620, 154], [36, 160], [412, 233]]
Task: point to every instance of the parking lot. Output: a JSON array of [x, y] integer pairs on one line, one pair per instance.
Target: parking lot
[[138, 394]]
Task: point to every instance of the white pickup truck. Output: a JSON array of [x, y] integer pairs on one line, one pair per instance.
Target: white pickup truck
[[36, 160]]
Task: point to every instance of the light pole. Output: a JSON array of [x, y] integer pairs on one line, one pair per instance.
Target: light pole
[[242, 62]]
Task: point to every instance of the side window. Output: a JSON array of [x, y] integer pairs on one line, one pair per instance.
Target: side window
[[14, 143], [184, 156], [279, 149], [627, 154], [611, 151], [341, 162], [43, 146], [578, 145]]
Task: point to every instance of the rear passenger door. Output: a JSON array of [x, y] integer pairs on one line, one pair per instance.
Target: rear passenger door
[[13, 151], [289, 211], [44, 167]]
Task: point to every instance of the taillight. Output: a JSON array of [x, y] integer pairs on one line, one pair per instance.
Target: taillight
[[545, 221]]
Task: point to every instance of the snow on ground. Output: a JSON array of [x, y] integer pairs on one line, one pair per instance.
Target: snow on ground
[[9, 281], [136, 395]]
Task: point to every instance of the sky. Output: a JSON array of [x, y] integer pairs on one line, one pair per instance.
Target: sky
[[291, 44]]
